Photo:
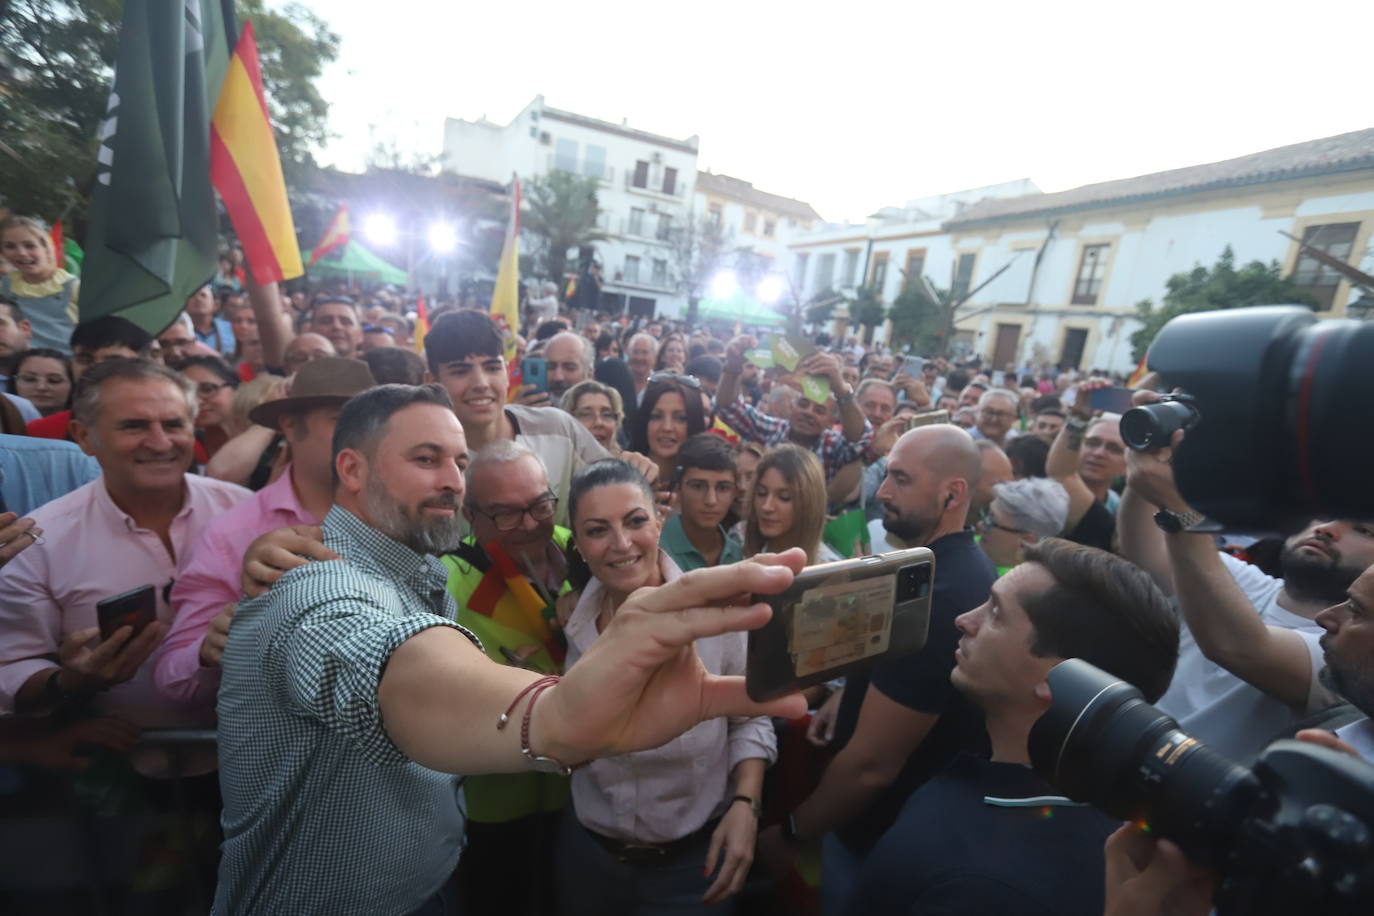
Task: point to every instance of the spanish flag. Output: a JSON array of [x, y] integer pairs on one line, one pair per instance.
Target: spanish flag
[[1140, 372], [335, 237], [505, 298], [246, 170], [421, 323]]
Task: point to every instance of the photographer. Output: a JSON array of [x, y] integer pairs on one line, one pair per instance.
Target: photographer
[[1265, 632]]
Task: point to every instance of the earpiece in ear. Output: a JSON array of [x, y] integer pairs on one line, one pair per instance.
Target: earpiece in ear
[[949, 498]]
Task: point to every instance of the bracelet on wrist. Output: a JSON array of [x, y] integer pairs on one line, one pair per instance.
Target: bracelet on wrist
[[754, 804], [537, 762]]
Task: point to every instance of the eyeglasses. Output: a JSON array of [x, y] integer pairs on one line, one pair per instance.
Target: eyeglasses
[[988, 522], [588, 414], [208, 389], [996, 414], [687, 380], [378, 329], [541, 510]]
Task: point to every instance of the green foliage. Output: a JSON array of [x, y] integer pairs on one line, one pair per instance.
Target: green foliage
[[61, 54], [822, 307], [560, 214], [1221, 286], [867, 311]]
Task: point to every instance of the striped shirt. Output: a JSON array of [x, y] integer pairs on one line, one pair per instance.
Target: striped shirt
[[323, 814], [834, 450]]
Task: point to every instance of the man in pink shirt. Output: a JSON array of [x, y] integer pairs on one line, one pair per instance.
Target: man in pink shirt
[[186, 668], [124, 530]]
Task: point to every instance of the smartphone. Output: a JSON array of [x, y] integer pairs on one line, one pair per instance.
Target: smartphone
[[136, 608], [1112, 400], [536, 373], [840, 617], [912, 366], [928, 418]]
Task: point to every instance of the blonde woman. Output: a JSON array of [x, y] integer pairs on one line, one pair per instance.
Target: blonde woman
[[46, 293], [786, 506]]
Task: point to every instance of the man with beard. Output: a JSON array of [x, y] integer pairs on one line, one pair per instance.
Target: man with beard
[[349, 694], [570, 357], [1250, 652], [902, 722]]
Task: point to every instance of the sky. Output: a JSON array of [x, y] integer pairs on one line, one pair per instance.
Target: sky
[[858, 105]]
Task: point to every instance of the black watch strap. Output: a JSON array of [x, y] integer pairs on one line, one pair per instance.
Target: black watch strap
[[56, 696], [1171, 522]]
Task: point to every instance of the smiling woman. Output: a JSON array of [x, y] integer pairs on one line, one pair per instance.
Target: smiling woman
[[696, 798], [669, 413]]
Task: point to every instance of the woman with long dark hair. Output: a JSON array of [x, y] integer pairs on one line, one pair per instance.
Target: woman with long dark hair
[[668, 415], [672, 829]]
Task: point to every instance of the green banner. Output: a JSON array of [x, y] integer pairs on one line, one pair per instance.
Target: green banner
[[153, 233]]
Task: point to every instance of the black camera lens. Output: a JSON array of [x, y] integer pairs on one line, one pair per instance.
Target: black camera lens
[[913, 582], [1152, 426], [1101, 743]]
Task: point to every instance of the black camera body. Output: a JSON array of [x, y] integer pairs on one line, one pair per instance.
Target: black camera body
[[1288, 414], [1294, 834]]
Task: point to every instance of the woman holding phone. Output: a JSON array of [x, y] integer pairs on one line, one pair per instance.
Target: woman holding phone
[[672, 828], [787, 505]]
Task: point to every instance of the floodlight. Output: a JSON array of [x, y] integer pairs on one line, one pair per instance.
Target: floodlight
[[724, 284], [442, 238], [770, 290], [380, 229]]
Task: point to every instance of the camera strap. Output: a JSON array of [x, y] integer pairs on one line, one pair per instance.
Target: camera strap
[[1034, 801]]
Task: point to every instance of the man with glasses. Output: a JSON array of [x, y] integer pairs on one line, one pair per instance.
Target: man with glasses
[[997, 413], [1086, 457], [705, 482], [504, 577]]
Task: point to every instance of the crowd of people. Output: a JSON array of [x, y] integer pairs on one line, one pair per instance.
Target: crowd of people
[[405, 605]]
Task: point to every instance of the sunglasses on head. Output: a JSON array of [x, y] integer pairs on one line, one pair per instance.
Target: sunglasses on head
[[687, 380]]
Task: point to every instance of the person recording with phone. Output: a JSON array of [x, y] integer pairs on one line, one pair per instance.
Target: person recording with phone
[[648, 821], [1086, 457], [900, 723], [991, 835]]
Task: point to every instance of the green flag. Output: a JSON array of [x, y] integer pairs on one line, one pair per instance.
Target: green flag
[[153, 229]]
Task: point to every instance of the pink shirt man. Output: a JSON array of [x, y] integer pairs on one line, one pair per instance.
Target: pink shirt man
[[93, 550], [209, 580]]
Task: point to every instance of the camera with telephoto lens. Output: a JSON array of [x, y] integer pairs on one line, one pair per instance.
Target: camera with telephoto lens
[[1151, 426], [1293, 834], [1284, 406]]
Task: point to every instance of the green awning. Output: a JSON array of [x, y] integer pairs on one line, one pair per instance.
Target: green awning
[[354, 262], [741, 307]]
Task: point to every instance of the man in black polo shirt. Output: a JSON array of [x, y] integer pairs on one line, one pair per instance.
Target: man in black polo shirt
[[902, 722], [990, 836]]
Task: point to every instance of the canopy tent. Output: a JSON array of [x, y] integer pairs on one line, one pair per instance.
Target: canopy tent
[[740, 306], [354, 262]]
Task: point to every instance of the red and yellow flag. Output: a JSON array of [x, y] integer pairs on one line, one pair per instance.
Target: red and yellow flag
[[421, 323], [55, 233], [505, 298], [1140, 372], [246, 170], [335, 237]]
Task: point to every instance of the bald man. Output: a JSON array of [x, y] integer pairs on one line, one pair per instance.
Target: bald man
[[900, 723], [569, 357], [995, 468]]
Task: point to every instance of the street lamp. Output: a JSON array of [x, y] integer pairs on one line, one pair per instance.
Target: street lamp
[[724, 284], [443, 239], [380, 230]]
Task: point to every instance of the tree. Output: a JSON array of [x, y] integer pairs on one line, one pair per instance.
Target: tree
[[699, 251], [55, 88], [868, 311], [821, 307], [921, 322], [1221, 286], [560, 214]]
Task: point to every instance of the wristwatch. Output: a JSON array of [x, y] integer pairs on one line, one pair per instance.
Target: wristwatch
[[1171, 522], [755, 805], [56, 696]]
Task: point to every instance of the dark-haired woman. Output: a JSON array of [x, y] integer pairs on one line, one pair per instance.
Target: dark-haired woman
[[670, 830], [44, 376], [668, 415], [215, 382]]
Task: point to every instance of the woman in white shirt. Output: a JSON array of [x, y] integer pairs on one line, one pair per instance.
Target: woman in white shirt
[[670, 830], [786, 505]]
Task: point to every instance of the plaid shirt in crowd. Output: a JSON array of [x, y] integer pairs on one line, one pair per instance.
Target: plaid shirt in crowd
[[834, 450], [322, 812]]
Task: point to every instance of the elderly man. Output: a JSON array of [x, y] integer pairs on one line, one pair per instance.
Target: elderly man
[[504, 578], [997, 413], [569, 357], [372, 694], [877, 400], [810, 423], [206, 594], [902, 722], [339, 321], [124, 531], [1022, 512], [641, 353]]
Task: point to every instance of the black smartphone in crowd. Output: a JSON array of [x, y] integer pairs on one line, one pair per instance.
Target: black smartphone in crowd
[[1112, 400], [840, 617], [135, 608]]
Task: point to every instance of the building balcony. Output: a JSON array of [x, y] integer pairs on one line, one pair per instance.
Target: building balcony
[[677, 194]]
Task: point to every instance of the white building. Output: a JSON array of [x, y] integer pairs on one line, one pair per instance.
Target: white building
[[1077, 262], [751, 221], [646, 189]]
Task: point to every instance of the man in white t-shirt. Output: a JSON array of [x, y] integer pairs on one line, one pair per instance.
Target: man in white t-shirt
[[1251, 654]]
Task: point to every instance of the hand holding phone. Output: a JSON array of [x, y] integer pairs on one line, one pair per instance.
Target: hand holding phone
[[840, 617], [535, 370], [135, 608]]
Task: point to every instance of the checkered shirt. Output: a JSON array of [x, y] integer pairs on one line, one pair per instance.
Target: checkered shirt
[[323, 814], [834, 450]]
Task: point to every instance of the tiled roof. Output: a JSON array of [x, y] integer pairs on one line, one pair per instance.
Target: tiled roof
[[745, 192], [1342, 153]]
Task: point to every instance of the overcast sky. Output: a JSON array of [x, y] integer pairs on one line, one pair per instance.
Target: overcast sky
[[855, 105]]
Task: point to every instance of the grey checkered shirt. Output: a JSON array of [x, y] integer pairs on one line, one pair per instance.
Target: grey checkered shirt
[[322, 813]]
